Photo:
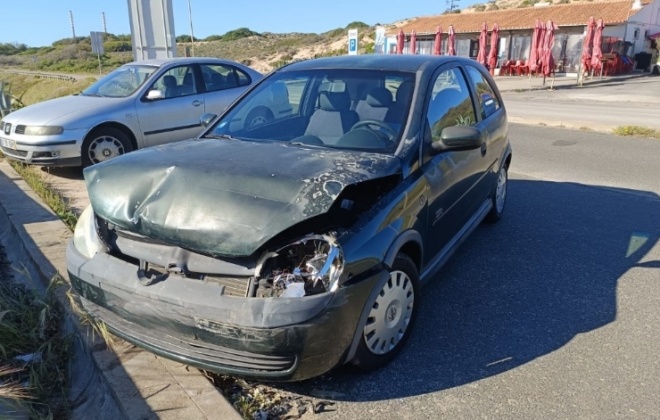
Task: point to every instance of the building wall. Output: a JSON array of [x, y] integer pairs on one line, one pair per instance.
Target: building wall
[[642, 23]]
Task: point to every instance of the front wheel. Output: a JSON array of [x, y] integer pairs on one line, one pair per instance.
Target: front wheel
[[391, 317], [499, 196], [103, 144]]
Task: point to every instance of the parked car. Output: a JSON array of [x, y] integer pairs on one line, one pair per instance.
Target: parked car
[[140, 104], [281, 250]]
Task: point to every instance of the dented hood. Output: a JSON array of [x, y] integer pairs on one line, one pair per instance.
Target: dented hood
[[225, 197]]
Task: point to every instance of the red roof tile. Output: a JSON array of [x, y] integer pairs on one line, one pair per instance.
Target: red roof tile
[[572, 14]]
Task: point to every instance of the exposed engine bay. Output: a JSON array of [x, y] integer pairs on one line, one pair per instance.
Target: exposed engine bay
[[307, 267]]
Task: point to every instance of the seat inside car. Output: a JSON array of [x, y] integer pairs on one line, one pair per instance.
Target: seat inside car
[[333, 118], [170, 84], [376, 105]]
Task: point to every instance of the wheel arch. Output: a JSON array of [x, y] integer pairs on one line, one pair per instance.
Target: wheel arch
[[409, 243], [119, 126]]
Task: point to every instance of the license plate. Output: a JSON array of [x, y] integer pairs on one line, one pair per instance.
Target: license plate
[[10, 144]]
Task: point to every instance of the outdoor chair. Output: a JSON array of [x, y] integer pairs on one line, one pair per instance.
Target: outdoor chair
[[522, 69], [505, 68]]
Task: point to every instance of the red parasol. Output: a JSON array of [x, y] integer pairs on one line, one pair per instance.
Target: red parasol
[[483, 39], [548, 63], [586, 45], [539, 47], [399, 41], [438, 41], [534, 51], [451, 40], [413, 42], [494, 47], [597, 55]]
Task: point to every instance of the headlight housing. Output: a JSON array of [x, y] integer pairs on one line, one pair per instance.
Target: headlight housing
[[34, 130], [85, 237], [309, 266]]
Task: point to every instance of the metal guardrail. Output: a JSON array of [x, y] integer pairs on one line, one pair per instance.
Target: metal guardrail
[[42, 75]]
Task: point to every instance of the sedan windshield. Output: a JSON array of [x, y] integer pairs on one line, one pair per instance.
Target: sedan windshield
[[337, 108], [121, 82]]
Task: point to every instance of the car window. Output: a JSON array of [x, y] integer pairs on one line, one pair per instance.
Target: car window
[[122, 82], [488, 102], [316, 107], [449, 103], [220, 77], [177, 81]]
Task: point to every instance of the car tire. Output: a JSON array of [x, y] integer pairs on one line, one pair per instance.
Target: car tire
[[499, 196], [391, 317], [103, 144], [257, 117]]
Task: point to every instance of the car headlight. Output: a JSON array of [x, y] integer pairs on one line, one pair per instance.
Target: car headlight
[[306, 267], [34, 130], [85, 237]]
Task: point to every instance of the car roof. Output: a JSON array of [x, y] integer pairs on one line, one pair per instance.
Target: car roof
[[386, 62], [158, 62]]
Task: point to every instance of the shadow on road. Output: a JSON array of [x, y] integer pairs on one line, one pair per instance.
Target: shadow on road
[[65, 172], [515, 291]]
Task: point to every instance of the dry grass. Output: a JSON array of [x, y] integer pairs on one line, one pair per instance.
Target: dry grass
[[637, 131]]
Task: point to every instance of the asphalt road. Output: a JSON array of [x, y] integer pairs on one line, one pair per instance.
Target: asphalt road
[[598, 107], [552, 313]]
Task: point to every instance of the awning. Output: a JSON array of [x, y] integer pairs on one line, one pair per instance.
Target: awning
[[654, 36]]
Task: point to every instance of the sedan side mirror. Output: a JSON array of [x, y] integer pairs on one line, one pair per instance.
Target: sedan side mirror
[[458, 137], [155, 94], [207, 119]]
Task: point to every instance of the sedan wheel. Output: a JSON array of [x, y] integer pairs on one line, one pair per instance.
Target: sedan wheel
[[499, 196], [391, 317], [104, 144]]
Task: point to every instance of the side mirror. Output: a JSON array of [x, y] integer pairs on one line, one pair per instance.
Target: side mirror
[[155, 94], [458, 137], [207, 119]]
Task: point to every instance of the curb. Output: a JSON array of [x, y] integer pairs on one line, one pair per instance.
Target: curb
[[120, 383]]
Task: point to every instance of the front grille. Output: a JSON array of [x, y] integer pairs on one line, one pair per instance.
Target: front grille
[[233, 286], [15, 153], [196, 351], [20, 129]]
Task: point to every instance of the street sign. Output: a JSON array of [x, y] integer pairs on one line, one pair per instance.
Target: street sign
[[352, 41], [379, 45], [97, 42]]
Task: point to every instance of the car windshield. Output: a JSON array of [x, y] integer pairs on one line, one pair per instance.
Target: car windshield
[[121, 82], [337, 108]]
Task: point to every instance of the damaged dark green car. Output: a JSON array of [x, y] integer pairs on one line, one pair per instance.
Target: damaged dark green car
[[283, 247]]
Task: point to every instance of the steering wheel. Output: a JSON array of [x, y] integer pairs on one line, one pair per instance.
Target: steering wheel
[[381, 128]]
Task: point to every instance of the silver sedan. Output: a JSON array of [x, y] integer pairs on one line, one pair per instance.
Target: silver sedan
[[139, 104]]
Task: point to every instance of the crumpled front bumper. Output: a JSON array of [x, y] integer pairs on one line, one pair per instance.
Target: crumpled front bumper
[[192, 322]]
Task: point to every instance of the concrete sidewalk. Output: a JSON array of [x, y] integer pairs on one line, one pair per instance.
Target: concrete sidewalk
[[124, 382], [527, 83]]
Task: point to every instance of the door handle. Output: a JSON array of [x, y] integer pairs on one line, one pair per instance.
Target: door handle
[[197, 103], [484, 147]]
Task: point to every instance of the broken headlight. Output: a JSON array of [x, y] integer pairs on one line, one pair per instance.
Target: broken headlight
[[85, 238], [306, 267]]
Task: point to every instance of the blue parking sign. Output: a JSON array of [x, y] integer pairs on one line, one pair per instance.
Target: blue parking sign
[[352, 41]]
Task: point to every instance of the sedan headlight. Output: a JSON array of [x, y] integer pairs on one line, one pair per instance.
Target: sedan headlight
[[33, 130], [85, 237], [306, 267]]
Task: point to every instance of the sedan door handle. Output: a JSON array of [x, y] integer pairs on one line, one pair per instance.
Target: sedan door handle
[[484, 147], [197, 103]]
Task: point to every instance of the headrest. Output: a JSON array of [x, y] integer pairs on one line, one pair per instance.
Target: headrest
[[335, 101], [379, 97], [169, 81]]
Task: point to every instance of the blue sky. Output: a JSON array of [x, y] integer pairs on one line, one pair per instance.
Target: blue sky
[[40, 22]]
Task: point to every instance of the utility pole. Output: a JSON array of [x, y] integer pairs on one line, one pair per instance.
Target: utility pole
[[105, 28], [73, 28], [192, 34], [452, 5]]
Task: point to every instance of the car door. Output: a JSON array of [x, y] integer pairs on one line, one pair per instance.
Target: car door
[[223, 84], [174, 114], [450, 175], [492, 123]]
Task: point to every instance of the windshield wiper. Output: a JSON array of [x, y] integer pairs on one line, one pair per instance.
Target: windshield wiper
[[220, 136]]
